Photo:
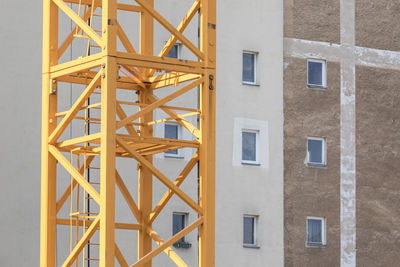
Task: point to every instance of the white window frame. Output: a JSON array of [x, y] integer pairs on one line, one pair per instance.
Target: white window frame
[[255, 67], [178, 52], [179, 154], [186, 220], [324, 74], [323, 152], [323, 231], [255, 222], [257, 161]]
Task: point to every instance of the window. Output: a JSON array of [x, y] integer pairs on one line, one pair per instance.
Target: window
[[316, 152], [250, 146], [316, 231], [316, 73], [179, 221], [249, 68], [175, 52], [172, 131], [249, 230]]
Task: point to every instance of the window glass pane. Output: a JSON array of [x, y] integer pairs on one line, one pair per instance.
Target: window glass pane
[[249, 146], [248, 67], [174, 52], [171, 132], [178, 224], [315, 73], [248, 230], [314, 234], [315, 151]]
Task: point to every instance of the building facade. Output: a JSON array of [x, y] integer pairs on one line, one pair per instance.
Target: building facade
[[249, 151], [340, 94]]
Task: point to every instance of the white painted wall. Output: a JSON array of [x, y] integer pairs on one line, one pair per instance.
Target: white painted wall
[[255, 26]]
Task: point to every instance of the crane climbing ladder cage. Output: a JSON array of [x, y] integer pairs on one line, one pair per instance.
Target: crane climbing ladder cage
[[105, 66]]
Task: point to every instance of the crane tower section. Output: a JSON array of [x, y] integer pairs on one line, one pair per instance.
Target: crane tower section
[[117, 82]]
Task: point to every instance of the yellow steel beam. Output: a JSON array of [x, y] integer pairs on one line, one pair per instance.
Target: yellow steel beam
[[167, 182], [79, 140], [170, 28], [69, 188], [81, 223], [125, 40], [159, 103], [207, 139], [79, 21], [74, 173], [49, 122], [169, 251], [154, 62], [178, 181], [128, 198], [120, 6], [71, 36], [169, 242], [120, 257], [190, 127], [77, 65], [82, 242], [74, 109]]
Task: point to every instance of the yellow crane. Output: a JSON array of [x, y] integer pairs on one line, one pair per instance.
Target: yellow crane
[[107, 128]]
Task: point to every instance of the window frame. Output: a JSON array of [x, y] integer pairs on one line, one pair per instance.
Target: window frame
[[251, 162], [179, 131], [255, 222], [254, 67], [324, 152], [324, 74], [323, 232], [185, 220], [178, 51]]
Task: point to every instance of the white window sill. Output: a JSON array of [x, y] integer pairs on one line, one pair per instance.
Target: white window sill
[[315, 245], [317, 165], [172, 156], [316, 87], [250, 246], [254, 163], [250, 83]]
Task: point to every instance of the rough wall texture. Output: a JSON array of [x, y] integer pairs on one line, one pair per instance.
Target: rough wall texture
[[311, 191], [316, 20], [377, 24], [378, 184]]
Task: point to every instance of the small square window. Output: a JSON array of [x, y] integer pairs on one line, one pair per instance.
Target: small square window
[[249, 230], [174, 52], [316, 231], [178, 224], [249, 68], [250, 146], [316, 74], [172, 131], [316, 153]]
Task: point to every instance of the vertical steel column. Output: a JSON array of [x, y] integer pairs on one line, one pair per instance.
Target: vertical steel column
[[49, 123], [207, 140], [145, 188], [108, 134]]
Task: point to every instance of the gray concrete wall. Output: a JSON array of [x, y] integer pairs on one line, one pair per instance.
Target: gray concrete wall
[[258, 190]]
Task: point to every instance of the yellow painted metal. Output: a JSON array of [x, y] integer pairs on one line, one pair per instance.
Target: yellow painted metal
[[100, 76]]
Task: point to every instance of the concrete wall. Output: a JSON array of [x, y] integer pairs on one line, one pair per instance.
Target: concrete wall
[[240, 190]]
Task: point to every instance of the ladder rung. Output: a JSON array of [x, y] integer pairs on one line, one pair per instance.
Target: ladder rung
[[95, 46], [96, 15], [97, 31], [94, 244], [87, 259], [81, 36], [94, 168], [94, 183]]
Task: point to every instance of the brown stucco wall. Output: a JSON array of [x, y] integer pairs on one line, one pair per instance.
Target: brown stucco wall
[[316, 20], [377, 24], [311, 191], [378, 167]]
